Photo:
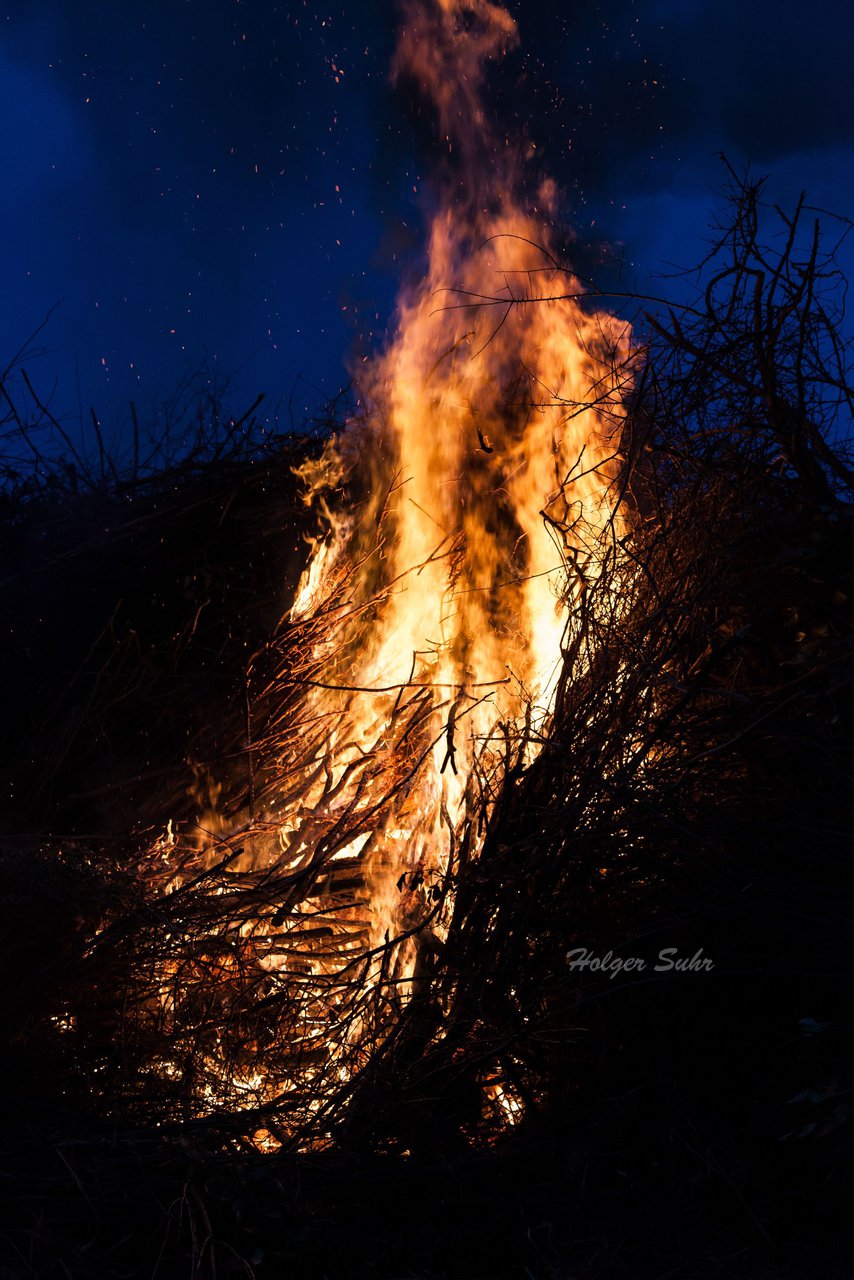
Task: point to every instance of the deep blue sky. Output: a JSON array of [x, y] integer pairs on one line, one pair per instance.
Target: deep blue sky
[[234, 181]]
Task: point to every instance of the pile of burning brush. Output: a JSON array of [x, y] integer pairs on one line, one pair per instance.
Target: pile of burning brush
[[353, 924], [567, 663]]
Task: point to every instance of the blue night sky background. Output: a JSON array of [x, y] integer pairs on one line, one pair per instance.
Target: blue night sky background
[[234, 183]]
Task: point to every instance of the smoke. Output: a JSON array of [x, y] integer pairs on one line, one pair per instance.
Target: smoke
[[445, 47]]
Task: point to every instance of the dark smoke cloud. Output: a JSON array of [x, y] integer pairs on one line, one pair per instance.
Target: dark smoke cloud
[[630, 82], [633, 100]]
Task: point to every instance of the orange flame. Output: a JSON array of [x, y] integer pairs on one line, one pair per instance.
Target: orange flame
[[486, 463], [495, 419]]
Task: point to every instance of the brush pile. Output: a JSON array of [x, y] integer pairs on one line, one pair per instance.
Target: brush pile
[[690, 796]]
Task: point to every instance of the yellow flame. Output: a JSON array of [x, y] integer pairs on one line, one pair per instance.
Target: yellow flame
[[494, 421]]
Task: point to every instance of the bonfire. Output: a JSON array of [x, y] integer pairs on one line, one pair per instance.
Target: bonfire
[[465, 515], [542, 650]]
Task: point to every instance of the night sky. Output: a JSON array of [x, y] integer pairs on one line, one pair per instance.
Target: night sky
[[234, 184]]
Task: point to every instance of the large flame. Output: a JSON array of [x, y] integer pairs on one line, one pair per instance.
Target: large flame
[[488, 454], [481, 478]]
